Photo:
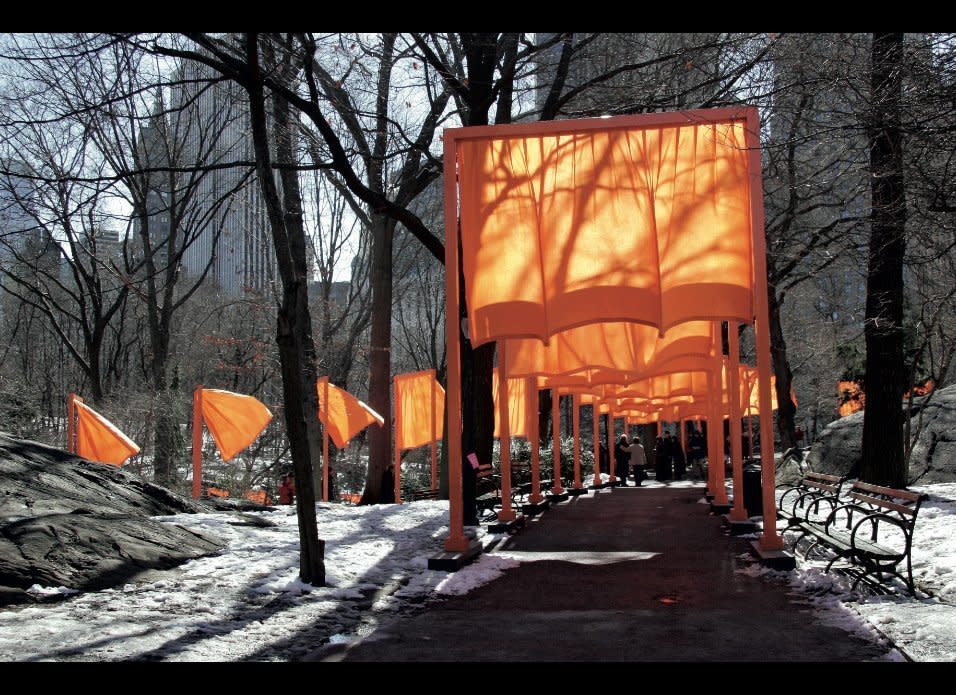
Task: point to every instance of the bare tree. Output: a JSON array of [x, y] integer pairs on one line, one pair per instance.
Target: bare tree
[[883, 461]]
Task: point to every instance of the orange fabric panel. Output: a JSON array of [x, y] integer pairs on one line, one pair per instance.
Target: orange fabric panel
[[344, 415], [519, 404], [637, 224], [413, 409], [749, 376], [233, 419], [98, 439], [258, 496], [852, 397], [613, 352]]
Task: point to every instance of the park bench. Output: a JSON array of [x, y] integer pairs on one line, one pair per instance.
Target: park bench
[[424, 494], [804, 501], [872, 527], [487, 488]]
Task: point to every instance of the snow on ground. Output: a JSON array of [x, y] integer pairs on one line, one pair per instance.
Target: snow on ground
[[247, 603]]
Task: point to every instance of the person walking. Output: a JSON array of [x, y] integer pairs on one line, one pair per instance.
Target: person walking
[[662, 459], [677, 456], [638, 460], [622, 456], [287, 489], [698, 452]]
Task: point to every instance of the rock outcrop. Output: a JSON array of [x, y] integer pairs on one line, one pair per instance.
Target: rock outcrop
[[68, 522], [933, 459]]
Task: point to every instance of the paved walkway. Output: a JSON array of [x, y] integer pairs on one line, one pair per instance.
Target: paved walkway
[[627, 574]]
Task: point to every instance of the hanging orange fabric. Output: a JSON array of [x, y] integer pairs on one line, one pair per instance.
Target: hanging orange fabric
[[344, 415], [519, 404], [414, 417], [628, 223], [233, 419], [98, 439], [748, 376], [609, 352]]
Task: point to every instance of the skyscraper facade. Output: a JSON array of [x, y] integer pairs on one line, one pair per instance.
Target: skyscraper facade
[[210, 200]]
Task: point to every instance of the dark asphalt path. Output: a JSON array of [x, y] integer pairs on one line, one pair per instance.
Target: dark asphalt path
[[678, 598]]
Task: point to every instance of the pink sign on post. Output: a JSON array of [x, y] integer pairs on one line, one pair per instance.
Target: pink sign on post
[[473, 460]]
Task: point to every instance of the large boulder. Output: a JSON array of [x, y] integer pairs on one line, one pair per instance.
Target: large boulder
[[37, 479], [933, 460], [84, 551], [68, 522]]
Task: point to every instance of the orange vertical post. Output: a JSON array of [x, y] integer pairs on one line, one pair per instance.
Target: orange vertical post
[[397, 476], [576, 426], [434, 434], [556, 487], [739, 511], [712, 453], [71, 422], [611, 441], [456, 541], [770, 539], [197, 442], [504, 434], [715, 425], [596, 412], [533, 433], [325, 444]]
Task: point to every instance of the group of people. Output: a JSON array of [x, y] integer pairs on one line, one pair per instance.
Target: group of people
[[667, 458], [627, 456]]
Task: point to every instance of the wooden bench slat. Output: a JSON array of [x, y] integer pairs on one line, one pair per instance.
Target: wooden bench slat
[[869, 506], [888, 491], [883, 504]]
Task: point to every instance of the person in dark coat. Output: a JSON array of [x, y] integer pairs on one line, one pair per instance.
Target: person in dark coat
[[662, 459], [622, 459], [696, 455], [387, 495], [677, 456], [287, 489]]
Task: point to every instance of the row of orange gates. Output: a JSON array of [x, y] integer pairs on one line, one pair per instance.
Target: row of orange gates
[[235, 420]]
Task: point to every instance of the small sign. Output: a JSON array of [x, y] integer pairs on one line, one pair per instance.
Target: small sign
[[473, 460]]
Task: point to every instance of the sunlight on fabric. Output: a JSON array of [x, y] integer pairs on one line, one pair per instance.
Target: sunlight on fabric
[[416, 423], [233, 419], [98, 439], [344, 415], [625, 224]]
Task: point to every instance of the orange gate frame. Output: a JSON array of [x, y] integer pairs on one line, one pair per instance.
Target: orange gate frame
[[91, 445], [457, 541], [247, 418], [434, 387], [71, 400]]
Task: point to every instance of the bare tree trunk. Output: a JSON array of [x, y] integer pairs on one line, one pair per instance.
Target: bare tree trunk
[[477, 364], [544, 418], [380, 363], [294, 324], [786, 410], [883, 462], [166, 438]]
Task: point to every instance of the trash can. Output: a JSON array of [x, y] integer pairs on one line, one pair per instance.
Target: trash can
[[753, 490]]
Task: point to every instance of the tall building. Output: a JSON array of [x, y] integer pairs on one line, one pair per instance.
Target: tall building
[[215, 205], [620, 73], [25, 245]]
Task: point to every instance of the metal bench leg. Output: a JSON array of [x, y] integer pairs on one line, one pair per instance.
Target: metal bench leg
[[831, 563]]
